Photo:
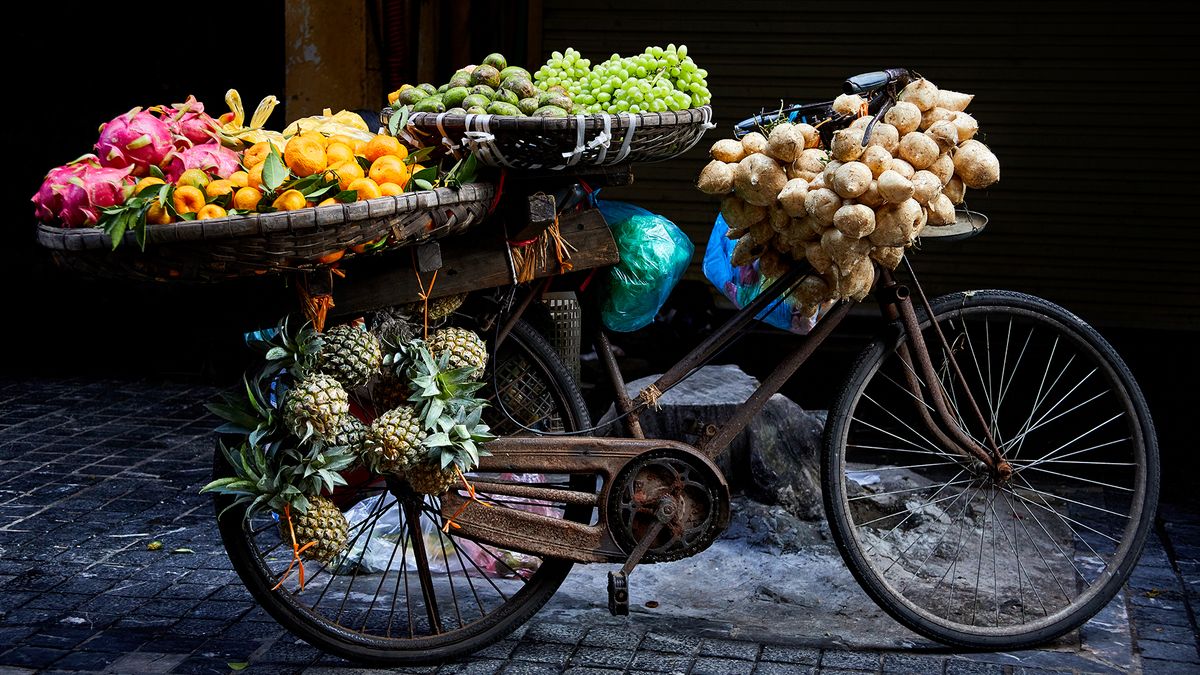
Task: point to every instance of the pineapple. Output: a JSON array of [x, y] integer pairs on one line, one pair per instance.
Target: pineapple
[[322, 523], [465, 349], [291, 481], [439, 308], [394, 440], [454, 444], [349, 354], [315, 405], [350, 434]]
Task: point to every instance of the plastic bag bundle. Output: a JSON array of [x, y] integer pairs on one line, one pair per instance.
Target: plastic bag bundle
[[654, 255], [743, 283]]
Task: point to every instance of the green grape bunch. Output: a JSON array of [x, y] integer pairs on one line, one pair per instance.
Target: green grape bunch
[[657, 80]]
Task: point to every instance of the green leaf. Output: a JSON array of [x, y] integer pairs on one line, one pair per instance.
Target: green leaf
[[363, 162], [418, 155], [274, 171], [398, 119], [429, 173], [276, 353], [423, 184], [156, 172], [346, 196], [238, 665]]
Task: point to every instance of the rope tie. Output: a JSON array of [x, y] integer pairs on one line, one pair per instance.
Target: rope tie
[[296, 562], [471, 497], [650, 396]]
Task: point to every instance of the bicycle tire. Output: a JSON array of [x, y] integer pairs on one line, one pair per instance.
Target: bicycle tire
[[334, 638], [847, 468]]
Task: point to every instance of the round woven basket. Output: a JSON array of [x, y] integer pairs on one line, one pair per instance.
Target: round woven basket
[[561, 142], [240, 246]]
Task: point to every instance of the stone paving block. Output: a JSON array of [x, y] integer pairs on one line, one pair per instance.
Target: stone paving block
[[1184, 652], [808, 656], [676, 644], [730, 649], [771, 668], [148, 662], [849, 660], [1153, 616], [58, 637], [615, 637], [592, 670], [1166, 633], [602, 657], [528, 668], [86, 661], [31, 657], [498, 650], [709, 665], [957, 666], [555, 632], [912, 663], [542, 652], [473, 667], [660, 662], [1156, 667]]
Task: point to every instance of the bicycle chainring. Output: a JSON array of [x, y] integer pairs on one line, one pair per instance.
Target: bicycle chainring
[[695, 484]]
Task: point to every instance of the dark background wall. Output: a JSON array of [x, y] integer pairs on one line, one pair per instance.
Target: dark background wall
[[1086, 105]]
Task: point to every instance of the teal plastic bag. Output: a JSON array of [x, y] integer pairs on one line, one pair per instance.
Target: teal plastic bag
[[654, 255]]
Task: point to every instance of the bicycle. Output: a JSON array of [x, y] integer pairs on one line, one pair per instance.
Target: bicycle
[[990, 475]]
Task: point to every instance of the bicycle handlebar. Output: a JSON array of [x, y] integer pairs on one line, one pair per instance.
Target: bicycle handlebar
[[874, 80]]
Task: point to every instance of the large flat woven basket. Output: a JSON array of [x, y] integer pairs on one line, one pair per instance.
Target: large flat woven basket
[[561, 142], [240, 246]]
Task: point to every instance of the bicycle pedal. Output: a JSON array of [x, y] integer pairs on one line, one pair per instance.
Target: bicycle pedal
[[618, 594]]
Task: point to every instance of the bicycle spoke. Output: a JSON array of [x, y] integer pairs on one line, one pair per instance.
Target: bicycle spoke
[[1052, 454], [1042, 421], [1080, 478]]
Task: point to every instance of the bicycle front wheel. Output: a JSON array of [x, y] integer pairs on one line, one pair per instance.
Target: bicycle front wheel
[[939, 544]]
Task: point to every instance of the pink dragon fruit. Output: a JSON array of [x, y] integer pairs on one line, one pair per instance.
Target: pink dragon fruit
[[48, 200], [212, 158], [92, 189], [189, 124], [136, 139]]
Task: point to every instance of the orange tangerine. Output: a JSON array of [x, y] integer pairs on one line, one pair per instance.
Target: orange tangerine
[[347, 173], [239, 179], [331, 257], [219, 188], [147, 182], [316, 136], [328, 201], [362, 248], [366, 188], [383, 145], [188, 199], [389, 169], [338, 152], [290, 200], [247, 199], [157, 215], [254, 177], [305, 155], [345, 140], [256, 154], [194, 177], [210, 211], [390, 189]]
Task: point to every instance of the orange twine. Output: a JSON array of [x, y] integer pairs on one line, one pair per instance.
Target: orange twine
[[424, 294], [297, 549], [472, 498]]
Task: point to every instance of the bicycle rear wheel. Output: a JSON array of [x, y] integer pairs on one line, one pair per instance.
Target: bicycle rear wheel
[[407, 592], [940, 545]]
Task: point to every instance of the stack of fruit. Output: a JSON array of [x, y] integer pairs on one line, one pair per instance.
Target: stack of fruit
[[861, 201], [297, 434], [167, 164], [657, 80]]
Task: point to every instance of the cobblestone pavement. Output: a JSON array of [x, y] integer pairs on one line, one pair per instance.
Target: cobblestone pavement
[[91, 471]]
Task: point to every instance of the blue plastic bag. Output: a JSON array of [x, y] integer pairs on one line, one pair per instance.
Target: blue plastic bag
[[654, 255], [743, 284]]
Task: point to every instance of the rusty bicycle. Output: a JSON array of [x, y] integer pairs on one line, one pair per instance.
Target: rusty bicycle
[[990, 469]]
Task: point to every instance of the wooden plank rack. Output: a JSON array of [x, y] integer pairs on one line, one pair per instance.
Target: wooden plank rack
[[471, 261]]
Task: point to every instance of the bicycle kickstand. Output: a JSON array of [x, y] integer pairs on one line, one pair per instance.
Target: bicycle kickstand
[[618, 582]]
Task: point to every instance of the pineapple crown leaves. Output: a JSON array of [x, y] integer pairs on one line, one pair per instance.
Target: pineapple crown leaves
[[439, 389], [457, 439], [284, 349], [252, 415], [287, 478]]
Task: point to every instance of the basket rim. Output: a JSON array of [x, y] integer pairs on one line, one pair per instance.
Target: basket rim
[[262, 224], [590, 120]]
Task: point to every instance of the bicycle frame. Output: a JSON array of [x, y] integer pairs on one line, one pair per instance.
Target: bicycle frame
[[540, 535]]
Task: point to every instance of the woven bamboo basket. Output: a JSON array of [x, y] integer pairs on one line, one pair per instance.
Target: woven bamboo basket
[[560, 142], [240, 246]]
